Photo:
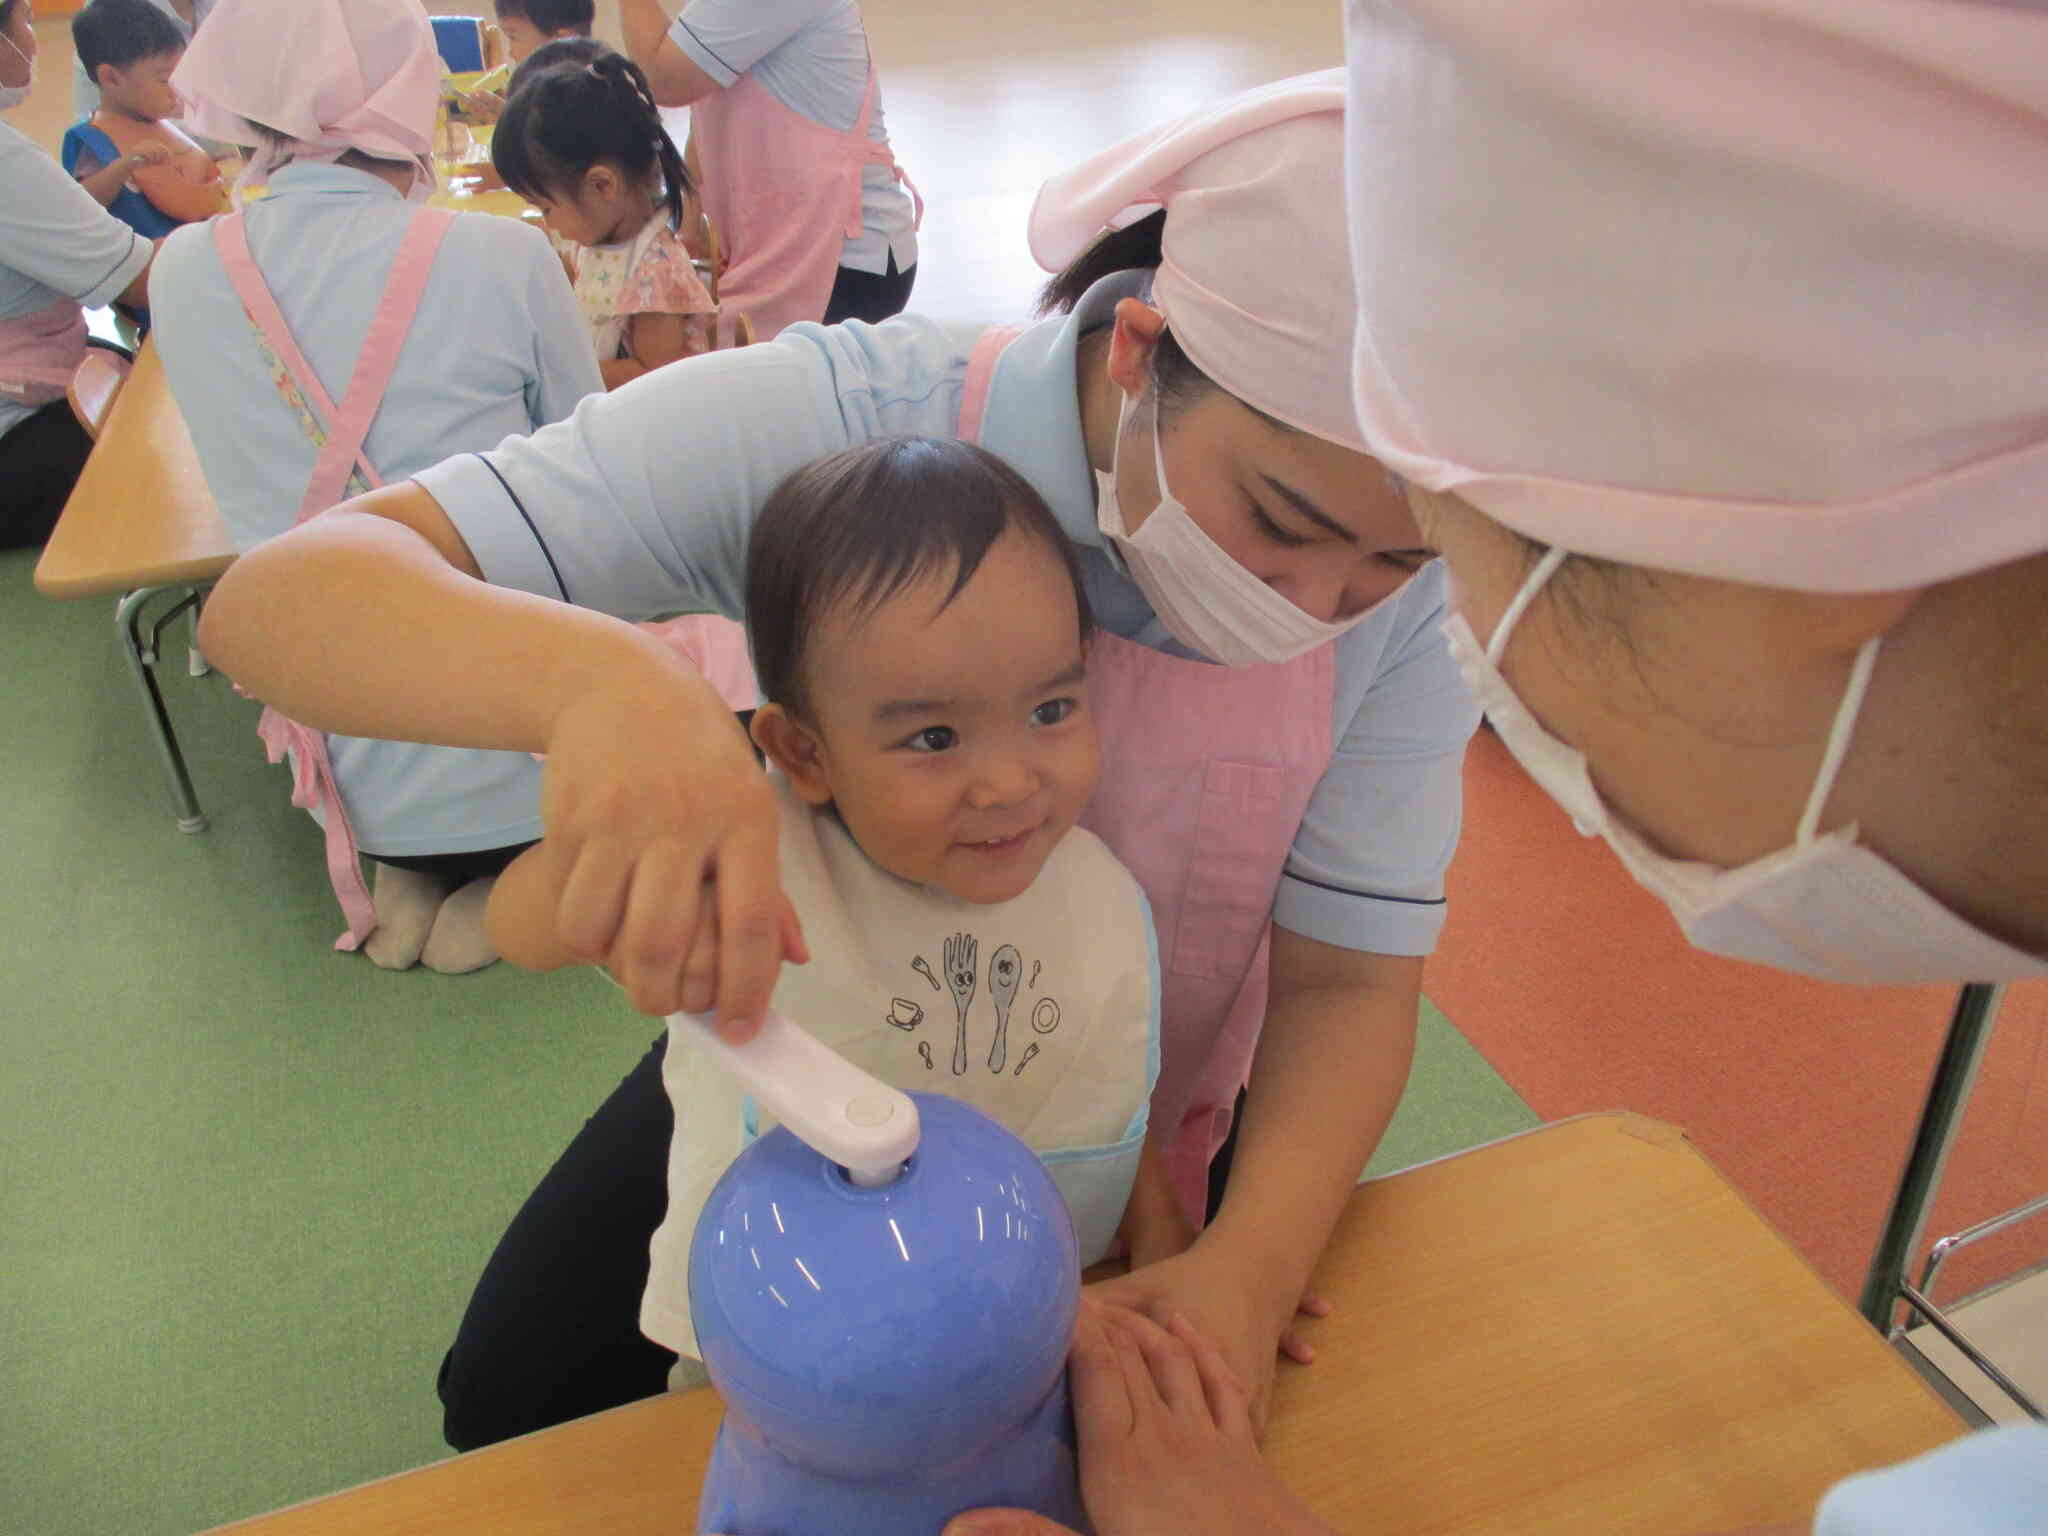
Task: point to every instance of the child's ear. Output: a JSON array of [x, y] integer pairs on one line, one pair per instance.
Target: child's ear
[[107, 75], [601, 182], [795, 750]]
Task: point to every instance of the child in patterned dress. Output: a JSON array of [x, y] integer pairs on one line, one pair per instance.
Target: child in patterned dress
[[583, 142]]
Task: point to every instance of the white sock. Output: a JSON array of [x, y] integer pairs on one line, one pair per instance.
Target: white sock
[[406, 903], [458, 943]]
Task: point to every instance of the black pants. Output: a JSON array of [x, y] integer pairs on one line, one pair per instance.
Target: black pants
[[553, 1329], [869, 296], [458, 869], [39, 463]]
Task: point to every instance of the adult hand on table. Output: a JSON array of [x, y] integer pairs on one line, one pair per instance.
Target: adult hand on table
[[660, 858], [1230, 1305], [1166, 1441]]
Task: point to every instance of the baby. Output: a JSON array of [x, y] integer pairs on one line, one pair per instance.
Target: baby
[[143, 169], [920, 634]]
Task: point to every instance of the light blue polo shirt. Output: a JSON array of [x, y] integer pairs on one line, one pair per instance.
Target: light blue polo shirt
[[1990, 1484], [55, 243], [812, 57], [641, 503], [497, 347]]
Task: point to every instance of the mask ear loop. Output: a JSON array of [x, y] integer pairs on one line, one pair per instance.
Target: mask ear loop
[[1553, 557], [1838, 738]]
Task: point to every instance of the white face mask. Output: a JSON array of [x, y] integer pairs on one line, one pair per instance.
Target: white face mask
[[12, 96], [1206, 600], [1823, 907]]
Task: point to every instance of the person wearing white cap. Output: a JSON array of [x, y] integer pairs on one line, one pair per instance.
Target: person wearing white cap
[[338, 332], [1709, 339], [1289, 811]]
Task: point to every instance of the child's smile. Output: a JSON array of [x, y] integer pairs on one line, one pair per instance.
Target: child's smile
[[955, 740]]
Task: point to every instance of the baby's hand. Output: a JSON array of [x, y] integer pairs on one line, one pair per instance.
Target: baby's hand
[[481, 106]]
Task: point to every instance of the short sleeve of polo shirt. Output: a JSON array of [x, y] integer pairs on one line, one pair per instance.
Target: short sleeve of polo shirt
[[55, 241], [726, 38], [1367, 868], [640, 504]]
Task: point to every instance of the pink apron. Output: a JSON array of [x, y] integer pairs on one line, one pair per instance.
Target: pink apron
[[785, 193], [40, 351], [1207, 772], [339, 471]]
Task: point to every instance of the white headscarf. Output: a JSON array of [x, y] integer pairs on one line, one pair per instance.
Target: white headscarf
[[1254, 281], [1752, 289], [330, 75]]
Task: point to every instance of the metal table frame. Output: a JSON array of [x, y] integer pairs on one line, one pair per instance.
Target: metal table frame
[[1888, 1284]]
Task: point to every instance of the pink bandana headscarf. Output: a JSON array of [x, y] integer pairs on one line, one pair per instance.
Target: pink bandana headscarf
[[1254, 283], [331, 75], [1751, 289]]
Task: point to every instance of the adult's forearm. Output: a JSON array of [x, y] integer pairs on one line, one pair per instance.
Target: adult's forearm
[[1331, 1066], [361, 623], [645, 23]]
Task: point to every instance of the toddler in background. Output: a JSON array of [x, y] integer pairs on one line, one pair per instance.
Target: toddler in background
[[921, 634], [584, 143], [144, 170], [526, 25]]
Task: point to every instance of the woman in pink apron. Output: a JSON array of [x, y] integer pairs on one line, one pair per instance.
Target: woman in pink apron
[[59, 251], [1282, 724], [786, 125], [335, 334]]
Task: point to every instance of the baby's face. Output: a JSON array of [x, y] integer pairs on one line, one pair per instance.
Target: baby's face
[[958, 741]]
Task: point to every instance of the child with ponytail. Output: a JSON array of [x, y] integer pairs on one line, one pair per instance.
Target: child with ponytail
[[583, 142]]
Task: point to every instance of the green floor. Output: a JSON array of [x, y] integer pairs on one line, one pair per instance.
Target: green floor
[[246, 1182]]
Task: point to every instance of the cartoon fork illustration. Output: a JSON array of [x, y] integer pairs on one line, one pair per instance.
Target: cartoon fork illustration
[[959, 957], [1005, 970]]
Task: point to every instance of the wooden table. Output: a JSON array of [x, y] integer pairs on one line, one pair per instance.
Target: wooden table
[[140, 524], [1585, 1328]]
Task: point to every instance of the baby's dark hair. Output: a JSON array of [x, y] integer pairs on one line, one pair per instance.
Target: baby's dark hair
[[551, 15], [119, 32], [564, 118], [860, 526]]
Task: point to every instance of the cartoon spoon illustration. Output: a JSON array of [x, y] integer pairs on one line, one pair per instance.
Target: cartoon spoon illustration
[[1005, 970], [1024, 1061], [924, 1049], [959, 956]]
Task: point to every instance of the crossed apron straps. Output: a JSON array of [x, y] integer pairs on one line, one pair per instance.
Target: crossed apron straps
[[339, 470]]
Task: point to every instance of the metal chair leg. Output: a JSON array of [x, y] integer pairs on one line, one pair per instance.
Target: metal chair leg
[[129, 624], [1969, 1031]]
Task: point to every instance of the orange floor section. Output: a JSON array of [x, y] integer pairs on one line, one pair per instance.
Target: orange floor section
[[1577, 986]]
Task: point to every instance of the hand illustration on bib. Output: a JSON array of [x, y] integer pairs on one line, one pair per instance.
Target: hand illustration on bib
[[959, 957], [1005, 970]]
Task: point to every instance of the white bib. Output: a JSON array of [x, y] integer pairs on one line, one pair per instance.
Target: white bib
[[1043, 1012]]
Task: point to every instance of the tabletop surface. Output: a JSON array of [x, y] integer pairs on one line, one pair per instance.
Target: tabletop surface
[[140, 515], [1581, 1328]]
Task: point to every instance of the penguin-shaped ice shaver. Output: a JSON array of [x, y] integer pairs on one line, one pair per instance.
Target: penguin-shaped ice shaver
[[884, 1290]]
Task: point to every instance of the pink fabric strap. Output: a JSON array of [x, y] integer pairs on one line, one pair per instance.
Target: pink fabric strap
[[340, 451], [313, 786], [981, 368], [349, 425]]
